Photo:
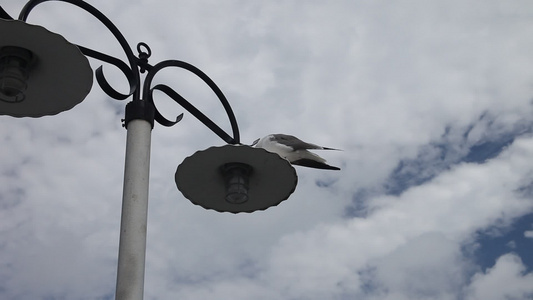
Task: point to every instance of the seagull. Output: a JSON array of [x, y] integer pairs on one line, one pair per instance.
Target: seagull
[[294, 150]]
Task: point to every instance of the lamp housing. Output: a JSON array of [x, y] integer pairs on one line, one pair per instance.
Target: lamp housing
[[236, 178], [41, 73]]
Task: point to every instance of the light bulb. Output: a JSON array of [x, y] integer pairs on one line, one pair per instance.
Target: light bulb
[[14, 65], [236, 176]]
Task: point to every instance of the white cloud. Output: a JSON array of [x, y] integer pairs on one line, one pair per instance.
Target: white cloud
[[386, 82], [430, 265], [506, 280]]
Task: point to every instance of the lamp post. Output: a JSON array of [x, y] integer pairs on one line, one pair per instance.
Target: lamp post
[[43, 74]]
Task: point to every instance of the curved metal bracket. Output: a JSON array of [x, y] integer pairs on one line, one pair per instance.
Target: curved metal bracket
[[130, 72], [148, 95], [194, 111], [99, 73]]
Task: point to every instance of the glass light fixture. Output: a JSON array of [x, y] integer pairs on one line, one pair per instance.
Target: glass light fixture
[[14, 65], [237, 181]]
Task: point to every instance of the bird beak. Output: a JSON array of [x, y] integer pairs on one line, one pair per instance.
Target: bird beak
[[255, 142]]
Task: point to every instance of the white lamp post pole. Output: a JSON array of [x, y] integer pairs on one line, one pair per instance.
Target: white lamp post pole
[[132, 245]]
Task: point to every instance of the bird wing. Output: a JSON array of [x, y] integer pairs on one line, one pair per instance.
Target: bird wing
[[295, 143]]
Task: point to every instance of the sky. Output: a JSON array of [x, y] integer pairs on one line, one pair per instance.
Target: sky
[[430, 101]]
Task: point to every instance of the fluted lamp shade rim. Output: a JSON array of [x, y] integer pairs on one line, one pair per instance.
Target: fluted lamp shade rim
[[58, 77], [272, 179]]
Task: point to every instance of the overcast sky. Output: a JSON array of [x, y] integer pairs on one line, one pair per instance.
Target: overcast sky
[[431, 102]]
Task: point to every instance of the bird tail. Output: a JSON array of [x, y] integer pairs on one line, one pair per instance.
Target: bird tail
[[314, 164], [327, 148]]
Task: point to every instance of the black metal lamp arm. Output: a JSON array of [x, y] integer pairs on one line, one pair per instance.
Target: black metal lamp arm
[[130, 72], [139, 65], [148, 95]]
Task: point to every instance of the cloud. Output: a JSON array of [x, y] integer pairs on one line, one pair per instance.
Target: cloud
[[431, 103], [506, 280]]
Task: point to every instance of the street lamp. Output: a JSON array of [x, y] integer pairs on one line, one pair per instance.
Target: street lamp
[[29, 76], [43, 74]]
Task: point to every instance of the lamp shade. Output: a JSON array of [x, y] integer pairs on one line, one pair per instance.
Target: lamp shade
[[268, 178], [54, 74]]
